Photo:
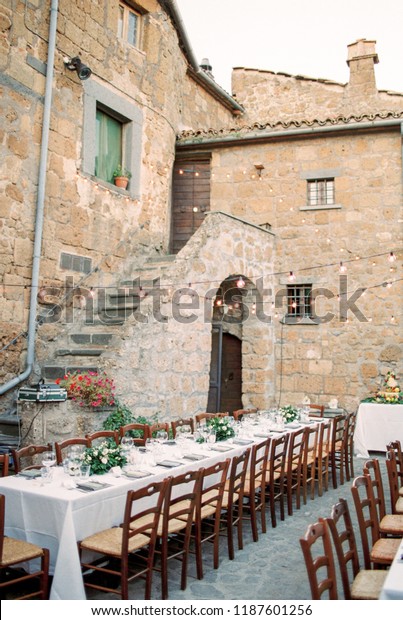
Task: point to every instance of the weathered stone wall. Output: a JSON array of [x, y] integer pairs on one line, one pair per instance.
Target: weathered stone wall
[[82, 216]]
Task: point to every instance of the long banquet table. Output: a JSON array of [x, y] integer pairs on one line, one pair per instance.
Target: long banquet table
[[377, 425], [56, 517]]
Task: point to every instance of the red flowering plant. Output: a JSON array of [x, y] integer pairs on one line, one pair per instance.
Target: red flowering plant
[[89, 389]]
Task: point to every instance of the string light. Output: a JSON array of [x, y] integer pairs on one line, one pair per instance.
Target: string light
[[391, 257], [342, 268], [291, 276], [241, 282]]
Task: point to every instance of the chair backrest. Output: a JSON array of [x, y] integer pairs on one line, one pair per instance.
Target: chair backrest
[[296, 449], [258, 465], [181, 495], [277, 459], [236, 478], [205, 416], [158, 426], [316, 411], [102, 435], [342, 531], [393, 478], [61, 446], [27, 457], [239, 413], [142, 514], [182, 422], [4, 459], [325, 438], [139, 432], [361, 490], [2, 519], [396, 446], [339, 430], [317, 549], [372, 469], [209, 500]]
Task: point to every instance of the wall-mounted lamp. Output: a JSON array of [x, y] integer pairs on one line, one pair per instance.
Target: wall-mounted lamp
[[75, 64], [259, 168]]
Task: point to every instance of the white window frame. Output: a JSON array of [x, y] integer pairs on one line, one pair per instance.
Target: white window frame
[[320, 192], [125, 11]]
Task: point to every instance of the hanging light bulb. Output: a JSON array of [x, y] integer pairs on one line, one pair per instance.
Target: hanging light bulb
[[342, 268], [291, 276], [391, 257], [240, 282]]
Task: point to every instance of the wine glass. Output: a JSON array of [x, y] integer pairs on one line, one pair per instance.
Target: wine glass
[[161, 436], [49, 458]]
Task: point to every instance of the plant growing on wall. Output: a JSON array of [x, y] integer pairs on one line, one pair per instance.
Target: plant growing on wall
[[89, 389]]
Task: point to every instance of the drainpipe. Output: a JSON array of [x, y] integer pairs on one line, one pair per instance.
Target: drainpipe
[[204, 77], [40, 205]]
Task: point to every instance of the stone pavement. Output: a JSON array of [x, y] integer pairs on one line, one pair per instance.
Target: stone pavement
[[270, 569]]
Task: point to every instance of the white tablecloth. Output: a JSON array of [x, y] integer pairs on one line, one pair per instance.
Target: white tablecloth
[[393, 587], [377, 425], [55, 517]]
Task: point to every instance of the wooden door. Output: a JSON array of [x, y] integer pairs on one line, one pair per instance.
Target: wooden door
[[190, 198], [225, 392]]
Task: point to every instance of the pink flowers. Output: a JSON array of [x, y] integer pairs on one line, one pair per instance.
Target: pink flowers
[[90, 389]]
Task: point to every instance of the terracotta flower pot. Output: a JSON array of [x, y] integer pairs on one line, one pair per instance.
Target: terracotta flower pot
[[121, 182]]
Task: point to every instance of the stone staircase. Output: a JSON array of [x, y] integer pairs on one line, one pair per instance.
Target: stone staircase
[[100, 334]]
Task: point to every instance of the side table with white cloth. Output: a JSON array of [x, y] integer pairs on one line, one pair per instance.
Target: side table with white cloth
[[393, 586], [377, 425]]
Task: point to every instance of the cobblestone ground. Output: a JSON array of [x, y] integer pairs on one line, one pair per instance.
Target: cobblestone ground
[[270, 569]]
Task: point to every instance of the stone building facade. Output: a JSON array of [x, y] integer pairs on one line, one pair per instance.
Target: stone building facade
[[120, 301]]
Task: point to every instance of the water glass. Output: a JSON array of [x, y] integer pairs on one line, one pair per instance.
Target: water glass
[[84, 472], [49, 458], [211, 437], [46, 475]]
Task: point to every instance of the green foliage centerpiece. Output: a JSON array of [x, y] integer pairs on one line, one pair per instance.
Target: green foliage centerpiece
[[222, 428]]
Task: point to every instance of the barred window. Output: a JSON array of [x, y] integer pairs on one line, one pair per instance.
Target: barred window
[[320, 192], [299, 301]]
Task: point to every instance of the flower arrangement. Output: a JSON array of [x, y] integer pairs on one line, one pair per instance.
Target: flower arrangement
[[103, 457], [289, 413], [222, 428], [89, 389], [390, 392]]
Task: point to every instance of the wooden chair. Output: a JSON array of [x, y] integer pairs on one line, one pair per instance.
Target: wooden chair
[[316, 411], [366, 584], [349, 446], [232, 502], [4, 461], [139, 433], [208, 511], [239, 413], [255, 486], [200, 417], [337, 448], [102, 436], [396, 499], [12, 553], [182, 422], [317, 550], [397, 448], [275, 476], [118, 550], [158, 426], [61, 446], [309, 461], [389, 524], [377, 551], [323, 456], [175, 526], [294, 467], [27, 457]]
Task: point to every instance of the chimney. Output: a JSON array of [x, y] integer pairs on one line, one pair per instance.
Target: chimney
[[205, 65], [361, 60]]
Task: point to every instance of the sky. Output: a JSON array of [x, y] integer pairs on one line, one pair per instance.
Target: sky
[[299, 37]]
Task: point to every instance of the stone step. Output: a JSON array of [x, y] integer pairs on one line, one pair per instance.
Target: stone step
[[79, 352]]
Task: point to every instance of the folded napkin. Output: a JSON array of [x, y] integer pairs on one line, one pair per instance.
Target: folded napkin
[[92, 485], [194, 457], [244, 442], [169, 463], [220, 448], [137, 474], [30, 473]]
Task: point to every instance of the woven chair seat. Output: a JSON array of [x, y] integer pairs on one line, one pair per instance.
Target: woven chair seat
[[15, 551], [384, 550], [368, 585], [252, 484], [399, 506], [110, 542], [174, 526], [392, 524], [225, 499], [401, 491]]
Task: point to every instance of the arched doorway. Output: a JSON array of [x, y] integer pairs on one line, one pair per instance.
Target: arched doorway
[[225, 389]]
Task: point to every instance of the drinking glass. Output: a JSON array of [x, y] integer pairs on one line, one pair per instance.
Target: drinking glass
[[49, 459], [46, 475], [212, 436], [84, 472], [161, 436]]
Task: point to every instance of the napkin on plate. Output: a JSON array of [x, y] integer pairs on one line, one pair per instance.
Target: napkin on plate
[[167, 463]]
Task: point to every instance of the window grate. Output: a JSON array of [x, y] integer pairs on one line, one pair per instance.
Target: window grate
[[320, 192], [299, 301]]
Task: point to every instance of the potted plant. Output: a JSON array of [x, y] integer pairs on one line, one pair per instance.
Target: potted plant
[[121, 176]]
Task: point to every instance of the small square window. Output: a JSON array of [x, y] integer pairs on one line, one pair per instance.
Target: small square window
[[320, 192], [299, 301], [129, 24]]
